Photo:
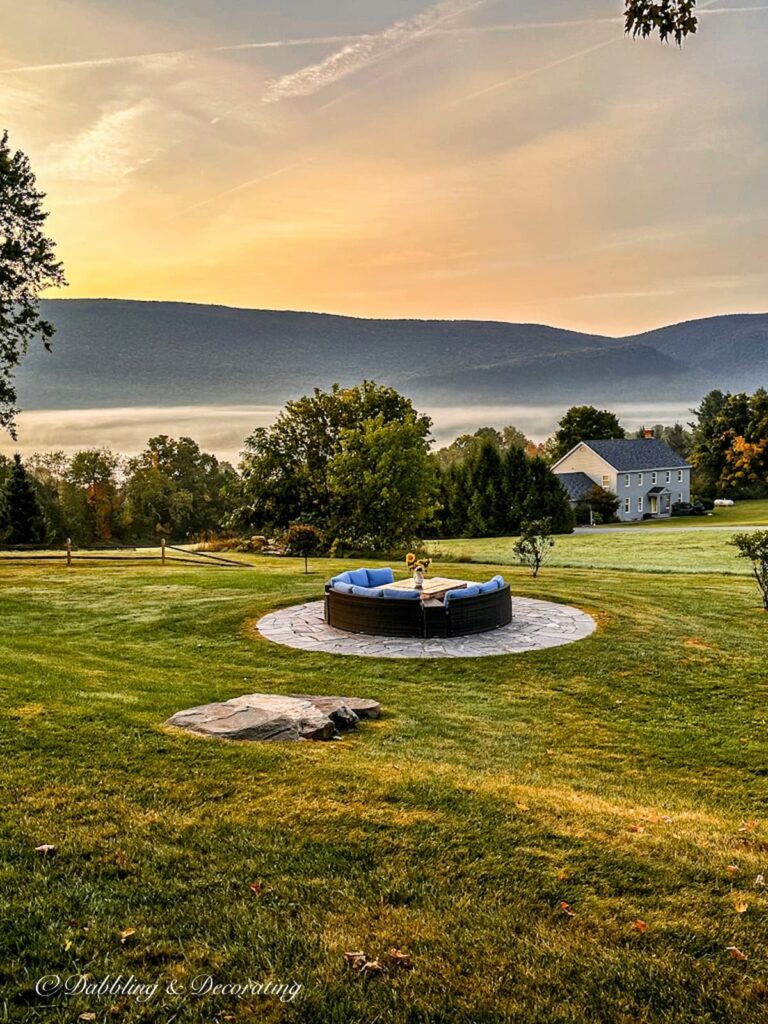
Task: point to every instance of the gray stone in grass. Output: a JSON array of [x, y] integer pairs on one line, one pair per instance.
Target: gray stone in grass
[[257, 716], [340, 708]]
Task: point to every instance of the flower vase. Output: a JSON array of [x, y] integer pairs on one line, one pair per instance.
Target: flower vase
[[418, 578]]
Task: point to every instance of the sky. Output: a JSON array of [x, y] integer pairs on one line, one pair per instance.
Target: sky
[[517, 160]]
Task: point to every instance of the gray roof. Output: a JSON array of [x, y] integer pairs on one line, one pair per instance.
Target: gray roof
[[577, 485], [637, 453]]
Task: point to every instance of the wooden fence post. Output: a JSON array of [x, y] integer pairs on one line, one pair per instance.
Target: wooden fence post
[[69, 553], [162, 551]]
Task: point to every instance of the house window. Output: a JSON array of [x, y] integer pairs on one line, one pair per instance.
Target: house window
[[627, 506], [640, 503], [654, 478], [679, 476], [669, 476], [606, 483], [639, 479], [626, 480], [680, 496]]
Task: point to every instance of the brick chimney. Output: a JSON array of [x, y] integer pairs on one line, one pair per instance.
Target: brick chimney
[[647, 432]]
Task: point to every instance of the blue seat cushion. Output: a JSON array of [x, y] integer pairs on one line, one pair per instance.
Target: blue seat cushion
[[459, 595], [343, 577], [401, 595], [380, 577], [366, 591], [359, 577], [341, 587]]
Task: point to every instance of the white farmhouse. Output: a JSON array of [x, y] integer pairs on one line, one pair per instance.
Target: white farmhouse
[[646, 475]]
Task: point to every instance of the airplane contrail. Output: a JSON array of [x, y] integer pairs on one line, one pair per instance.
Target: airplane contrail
[[367, 50], [246, 184]]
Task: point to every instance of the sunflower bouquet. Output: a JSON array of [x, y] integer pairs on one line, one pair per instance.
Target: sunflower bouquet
[[417, 567]]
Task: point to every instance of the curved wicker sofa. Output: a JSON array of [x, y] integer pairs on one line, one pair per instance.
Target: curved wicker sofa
[[360, 602]]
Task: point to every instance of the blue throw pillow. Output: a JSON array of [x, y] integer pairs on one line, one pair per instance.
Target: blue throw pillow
[[359, 577], [489, 587], [401, 595], [343, 577], [500, 581], [459, 595], [366, 591], [380, 577], [342, 588]]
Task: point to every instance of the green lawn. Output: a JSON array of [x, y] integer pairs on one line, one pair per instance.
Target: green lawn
[[693, 551], [620, 776], [743, 513]]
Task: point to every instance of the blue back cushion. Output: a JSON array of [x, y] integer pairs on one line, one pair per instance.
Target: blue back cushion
[[380, 577], [366, 591], [459, 595], [359, 577], [341, 587], [499, 581], [343, 577], [401, 595]]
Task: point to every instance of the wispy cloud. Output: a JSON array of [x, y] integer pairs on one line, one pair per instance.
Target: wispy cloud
[[365, 51], [278, 173]]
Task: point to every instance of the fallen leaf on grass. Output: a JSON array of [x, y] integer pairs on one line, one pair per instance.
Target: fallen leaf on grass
[[551, 752], [126, 934], [732, 869], [567, 909], [400, 959], [748, 826], [741, 908], [356, 959], [373, 968], [636, 828], [255, 887], [736, 953], [760, 882], [639, 925], [45, 849], [562, 875], [87, 1016]]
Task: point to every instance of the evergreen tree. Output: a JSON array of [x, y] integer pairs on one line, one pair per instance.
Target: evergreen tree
[[486, 513], [547, 499], [517, 482], [23, 517]]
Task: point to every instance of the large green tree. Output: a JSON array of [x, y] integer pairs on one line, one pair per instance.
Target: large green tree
[[730, 444], [176, 490], [23, 521], [583, 423], [382, 484], [28, 266], [669, 19], [286, 468]]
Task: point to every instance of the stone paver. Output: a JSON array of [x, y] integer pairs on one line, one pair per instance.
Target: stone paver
[[536, 626]]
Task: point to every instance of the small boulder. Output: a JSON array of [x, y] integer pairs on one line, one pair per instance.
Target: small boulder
[[258, 716]]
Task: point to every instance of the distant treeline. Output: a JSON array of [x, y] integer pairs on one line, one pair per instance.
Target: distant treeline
[[357, 464]]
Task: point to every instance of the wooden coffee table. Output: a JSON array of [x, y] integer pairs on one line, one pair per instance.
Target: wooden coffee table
[[434, 587]]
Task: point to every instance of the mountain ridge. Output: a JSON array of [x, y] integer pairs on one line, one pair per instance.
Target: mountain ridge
[[122, 352]]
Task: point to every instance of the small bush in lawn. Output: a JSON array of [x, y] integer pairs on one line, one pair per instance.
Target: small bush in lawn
[[534, 543], [754, 546]]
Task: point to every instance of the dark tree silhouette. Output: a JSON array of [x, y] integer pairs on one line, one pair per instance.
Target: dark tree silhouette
[[28, 266]]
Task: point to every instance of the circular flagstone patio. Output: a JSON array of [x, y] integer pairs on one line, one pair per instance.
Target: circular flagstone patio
[[536, 625]]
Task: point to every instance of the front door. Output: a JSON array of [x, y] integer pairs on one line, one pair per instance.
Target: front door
[[654, 506]]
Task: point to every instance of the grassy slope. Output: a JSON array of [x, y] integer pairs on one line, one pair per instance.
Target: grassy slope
[[613, 774], [743, 513], [639, 550]]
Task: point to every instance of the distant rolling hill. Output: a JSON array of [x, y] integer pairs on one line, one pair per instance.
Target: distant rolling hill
[[110, 353]]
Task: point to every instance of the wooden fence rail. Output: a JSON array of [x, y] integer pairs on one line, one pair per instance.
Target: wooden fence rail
[[71, 556]]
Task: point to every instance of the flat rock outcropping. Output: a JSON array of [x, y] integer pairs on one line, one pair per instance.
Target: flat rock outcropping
[[270, 717]]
